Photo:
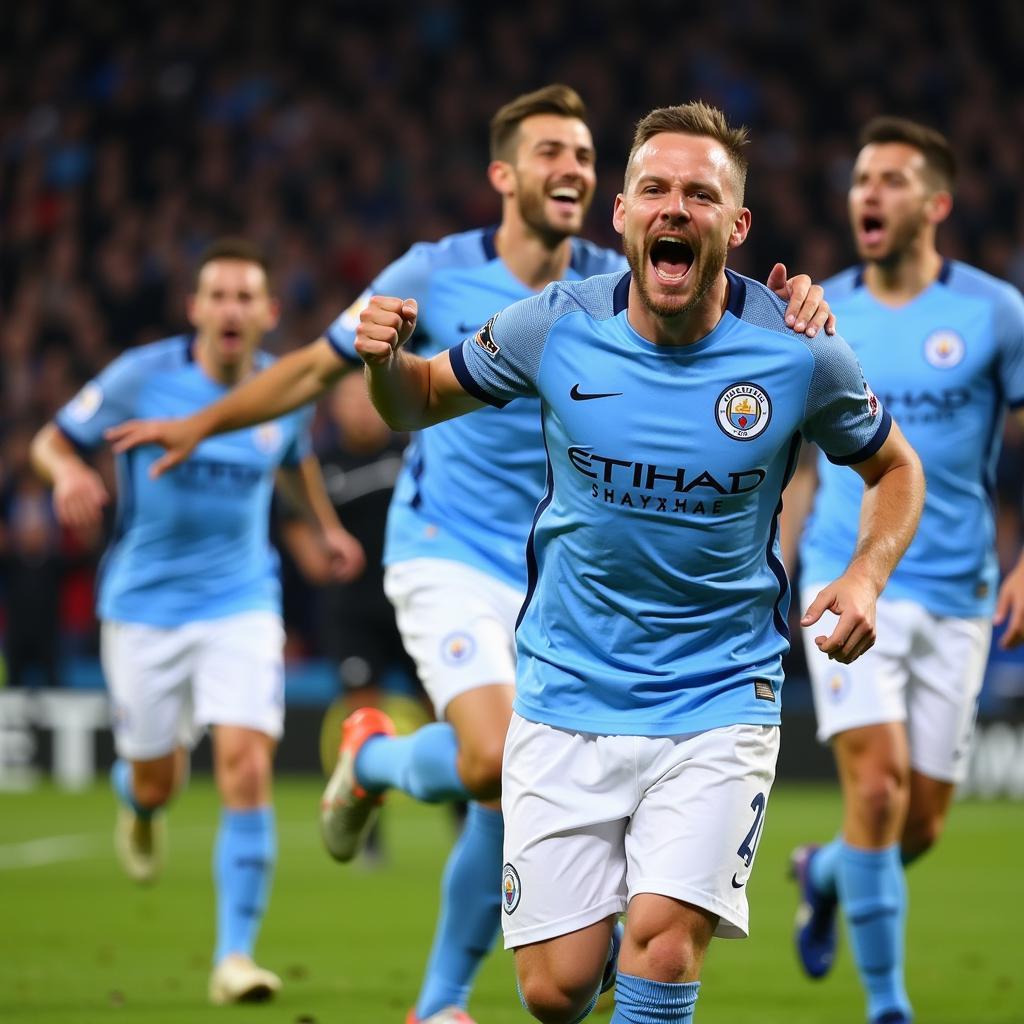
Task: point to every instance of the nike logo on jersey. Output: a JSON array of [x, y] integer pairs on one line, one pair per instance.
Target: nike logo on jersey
[[737, 885], [579, 396]]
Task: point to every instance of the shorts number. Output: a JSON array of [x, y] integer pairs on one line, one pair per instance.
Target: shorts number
[[749, 844]]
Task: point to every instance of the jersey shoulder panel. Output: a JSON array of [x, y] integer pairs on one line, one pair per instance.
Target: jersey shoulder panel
[[589, 259], [840, 286], [754, 303]]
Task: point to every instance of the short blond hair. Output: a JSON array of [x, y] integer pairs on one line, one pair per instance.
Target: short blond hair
[[696, 118]]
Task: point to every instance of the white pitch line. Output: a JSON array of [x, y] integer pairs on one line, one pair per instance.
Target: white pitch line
[[52, 850], [34, 853]]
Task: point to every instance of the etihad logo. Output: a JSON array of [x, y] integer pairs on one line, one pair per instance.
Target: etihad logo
[[744, 411], [636, 484]]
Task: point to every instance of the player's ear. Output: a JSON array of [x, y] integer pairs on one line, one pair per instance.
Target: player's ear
[[939, 207], [190, 309], [501, 177], [274, 308], [740, 228], [619, 214]]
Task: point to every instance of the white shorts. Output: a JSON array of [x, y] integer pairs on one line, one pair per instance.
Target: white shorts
[[457, 623], [925, 670], [590, 821], [167, 685]]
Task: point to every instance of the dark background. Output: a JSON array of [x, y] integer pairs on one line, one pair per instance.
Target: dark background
[[336, 134]]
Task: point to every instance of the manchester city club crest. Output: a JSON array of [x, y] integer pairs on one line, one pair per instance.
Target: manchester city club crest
[[268, 437], [944, 349], [744, 411], [458, 648], [511, 890]]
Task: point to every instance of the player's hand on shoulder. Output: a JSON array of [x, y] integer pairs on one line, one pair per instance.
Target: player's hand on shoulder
[[852, 598], [807, 311], [179, 437], [1010, 608], [385, 325], [346, 555], [79, 496]]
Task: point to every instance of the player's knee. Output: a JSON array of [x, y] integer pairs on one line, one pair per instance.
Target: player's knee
[[555, 1000], [668, 955], [244, 778], [152, 791], [480, 768], [881, 798]]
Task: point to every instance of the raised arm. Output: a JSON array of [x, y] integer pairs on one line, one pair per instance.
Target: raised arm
[[79, 494], [292, 381], [890, 510], [409, 392]]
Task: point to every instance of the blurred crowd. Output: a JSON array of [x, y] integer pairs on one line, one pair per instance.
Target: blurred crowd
[[337, 133]]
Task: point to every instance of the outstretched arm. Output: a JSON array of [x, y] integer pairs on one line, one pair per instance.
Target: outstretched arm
[[409, 392], [292, 381], [889, 514]]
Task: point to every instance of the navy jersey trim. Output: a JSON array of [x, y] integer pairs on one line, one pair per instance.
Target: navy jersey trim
[[190, 348], [774, 563], [487, 241], [531, 541], [870, 448], [620, 297], [945, 271], [737, 294], [1017, 403], [858, 278], [344, 356], [467, 380]]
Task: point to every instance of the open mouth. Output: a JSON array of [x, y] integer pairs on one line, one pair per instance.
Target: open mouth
[[872, 229], [231, 337], [566, 196], [671, 258]]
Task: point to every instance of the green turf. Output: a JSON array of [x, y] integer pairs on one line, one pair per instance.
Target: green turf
[[78, 943]]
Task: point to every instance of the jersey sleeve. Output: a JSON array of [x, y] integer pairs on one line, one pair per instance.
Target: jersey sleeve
[[301, 443], [501, 361], [406, 278], [1009, 328], [108, 399], [842, 415]]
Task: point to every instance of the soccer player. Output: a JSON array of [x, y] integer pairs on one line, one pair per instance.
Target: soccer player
[[189, 598], [461, 515], [943, 345], [644, 736]]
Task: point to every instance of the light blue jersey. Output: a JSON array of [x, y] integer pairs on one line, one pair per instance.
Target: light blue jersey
[[193, 544], [657, 600], [946, 365], [468, 487]]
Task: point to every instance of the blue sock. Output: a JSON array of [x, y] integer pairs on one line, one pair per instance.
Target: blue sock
[[470, 912], [121, 783], [874, 898], [641, 1001], [422, 764], [243, 866], [824, 865]]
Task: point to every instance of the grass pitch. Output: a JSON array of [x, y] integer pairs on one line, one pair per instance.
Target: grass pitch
[[78, 943]]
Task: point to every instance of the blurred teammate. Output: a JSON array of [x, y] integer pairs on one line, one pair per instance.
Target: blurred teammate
[[461, 515], [189, 598], [943, 345], [644, 736]]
